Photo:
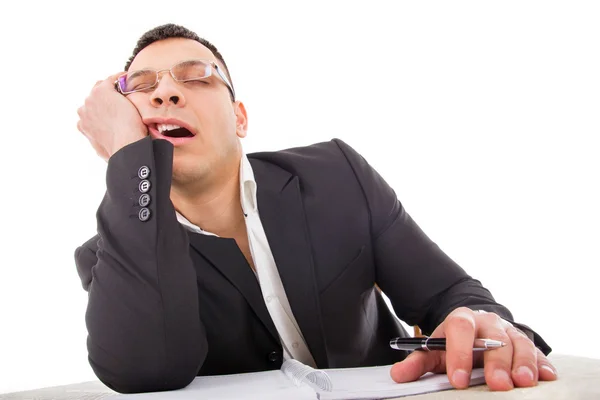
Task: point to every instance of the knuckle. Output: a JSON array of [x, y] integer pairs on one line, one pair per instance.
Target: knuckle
[[507, 323], [526, 356], [501, 336], [463, 356], [461, 321], [519, 339], [493, 319]]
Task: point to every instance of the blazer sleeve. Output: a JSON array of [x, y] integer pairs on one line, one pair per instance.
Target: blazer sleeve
[[423, 284], [144, 328]]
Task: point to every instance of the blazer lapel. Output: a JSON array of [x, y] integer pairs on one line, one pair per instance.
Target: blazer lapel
[[224, 255], [282, 215]]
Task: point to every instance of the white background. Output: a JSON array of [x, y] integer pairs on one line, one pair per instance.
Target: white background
[[482, 115]]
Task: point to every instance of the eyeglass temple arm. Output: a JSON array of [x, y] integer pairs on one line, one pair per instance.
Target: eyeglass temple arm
[[222, 75]]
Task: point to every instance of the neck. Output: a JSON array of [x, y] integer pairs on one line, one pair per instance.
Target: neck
[[213, 206]]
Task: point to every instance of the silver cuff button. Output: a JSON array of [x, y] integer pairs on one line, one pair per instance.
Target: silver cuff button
[[144, 186], [144, 172], [144, 214], [144, 200]]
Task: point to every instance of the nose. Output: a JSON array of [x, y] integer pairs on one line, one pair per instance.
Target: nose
[[167, 93]]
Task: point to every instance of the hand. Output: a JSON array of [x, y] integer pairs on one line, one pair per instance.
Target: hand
[[519, 363], [109, 120]]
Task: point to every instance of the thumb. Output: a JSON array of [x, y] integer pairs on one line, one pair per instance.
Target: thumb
[[417, 364]]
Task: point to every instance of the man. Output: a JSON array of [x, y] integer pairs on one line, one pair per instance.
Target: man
[[209, 261]]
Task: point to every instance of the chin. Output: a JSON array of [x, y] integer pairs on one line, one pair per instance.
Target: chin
[[189, 169]]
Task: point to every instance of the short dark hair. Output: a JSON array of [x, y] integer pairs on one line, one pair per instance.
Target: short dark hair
[[168, 31]]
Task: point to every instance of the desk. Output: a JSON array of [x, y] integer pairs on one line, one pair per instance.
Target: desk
[[578, 379]]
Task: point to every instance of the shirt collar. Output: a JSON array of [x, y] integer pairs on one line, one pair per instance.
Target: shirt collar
[[247, 186], [247, 194]]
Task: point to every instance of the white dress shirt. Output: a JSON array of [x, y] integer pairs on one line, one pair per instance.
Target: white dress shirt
[[294, 345]]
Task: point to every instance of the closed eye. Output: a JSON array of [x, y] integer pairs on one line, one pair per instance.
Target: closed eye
[[197, 81]]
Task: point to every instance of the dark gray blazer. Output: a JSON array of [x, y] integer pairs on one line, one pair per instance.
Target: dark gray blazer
[[166, 304]]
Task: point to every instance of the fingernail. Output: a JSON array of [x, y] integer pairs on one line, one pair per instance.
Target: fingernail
[[501, 375], [461, 378], [523, 370], [547, 368]]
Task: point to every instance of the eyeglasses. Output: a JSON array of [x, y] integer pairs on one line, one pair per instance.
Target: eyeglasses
[[185, 71]]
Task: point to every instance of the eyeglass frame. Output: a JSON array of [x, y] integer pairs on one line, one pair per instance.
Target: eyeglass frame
[[208, 62]]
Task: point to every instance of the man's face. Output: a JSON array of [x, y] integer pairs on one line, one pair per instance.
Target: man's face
[[204, 108]]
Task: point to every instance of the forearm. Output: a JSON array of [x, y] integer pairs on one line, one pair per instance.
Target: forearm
[[143, 320], [422, 282]]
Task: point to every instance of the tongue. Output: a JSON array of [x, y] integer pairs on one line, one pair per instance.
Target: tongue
[[179, 132]]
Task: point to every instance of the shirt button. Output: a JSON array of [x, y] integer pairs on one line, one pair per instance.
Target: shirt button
[[295, 345], [269, 298], [144, 186], [144, 214], [144, 200], [144, 172]]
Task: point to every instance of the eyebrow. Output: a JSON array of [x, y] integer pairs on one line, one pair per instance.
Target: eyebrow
[[195, 61], [140, 72]]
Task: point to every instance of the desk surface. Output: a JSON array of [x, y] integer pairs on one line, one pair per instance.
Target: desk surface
[[578, 379]]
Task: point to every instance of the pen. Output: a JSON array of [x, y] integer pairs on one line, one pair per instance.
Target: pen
[[430, 344]]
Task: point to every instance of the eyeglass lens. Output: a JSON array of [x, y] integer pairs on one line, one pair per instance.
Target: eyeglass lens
[[145, 79]]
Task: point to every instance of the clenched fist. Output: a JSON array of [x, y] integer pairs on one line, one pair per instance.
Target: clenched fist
[[109, 120]]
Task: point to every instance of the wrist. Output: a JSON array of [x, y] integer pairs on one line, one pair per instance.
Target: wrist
[[125, 141]]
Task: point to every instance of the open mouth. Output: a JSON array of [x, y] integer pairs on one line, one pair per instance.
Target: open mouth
[[173, 131]]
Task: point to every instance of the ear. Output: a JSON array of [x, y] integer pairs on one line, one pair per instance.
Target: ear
[[241, 119]]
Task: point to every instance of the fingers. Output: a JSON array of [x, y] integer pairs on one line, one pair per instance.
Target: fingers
[[524, 360], [459, 329], [415, 365], [519, 363], [115, 76], [110, 81], [109, 120], [497, 363], [546, 370], [79, 128], [100, 151]]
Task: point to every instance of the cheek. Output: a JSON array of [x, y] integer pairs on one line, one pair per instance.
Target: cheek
[[139, 101], [216, 120]]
